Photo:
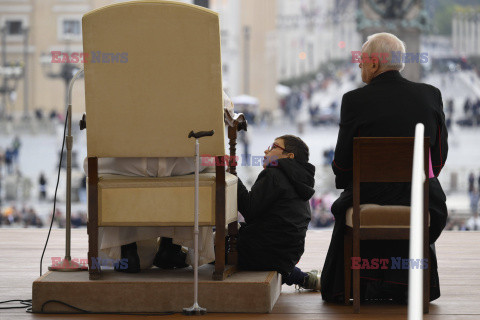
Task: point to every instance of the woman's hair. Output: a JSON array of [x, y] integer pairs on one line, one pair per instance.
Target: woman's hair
[[384, 42], [295, 145]]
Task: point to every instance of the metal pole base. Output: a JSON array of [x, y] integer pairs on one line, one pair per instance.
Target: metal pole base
[[194, 310], [67, 265]]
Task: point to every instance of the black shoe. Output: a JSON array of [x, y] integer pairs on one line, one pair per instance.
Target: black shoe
[[170, 256], [129, 252]]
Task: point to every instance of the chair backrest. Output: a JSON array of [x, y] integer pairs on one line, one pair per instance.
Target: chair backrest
[[385, 159], [153, 74]]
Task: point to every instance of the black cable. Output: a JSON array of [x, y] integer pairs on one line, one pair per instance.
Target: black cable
[[26, 304], [91, 312], [56, 189]]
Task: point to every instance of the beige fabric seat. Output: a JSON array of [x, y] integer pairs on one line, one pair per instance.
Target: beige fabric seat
[[377, 216], [119, 196]]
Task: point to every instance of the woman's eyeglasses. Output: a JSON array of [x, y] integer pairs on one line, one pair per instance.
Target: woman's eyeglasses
[[273, 146]]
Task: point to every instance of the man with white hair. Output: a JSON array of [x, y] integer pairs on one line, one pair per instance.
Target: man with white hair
[[388, 106]]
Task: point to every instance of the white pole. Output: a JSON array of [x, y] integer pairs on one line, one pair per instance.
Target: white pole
[[415, 276], [195, 309], [195, 277]]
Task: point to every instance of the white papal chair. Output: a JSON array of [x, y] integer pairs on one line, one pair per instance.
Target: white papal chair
[[153, 74]]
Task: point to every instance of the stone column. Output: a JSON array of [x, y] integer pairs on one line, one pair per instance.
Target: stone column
[[411, 37], [471, 34], [461, 33], [454, 38], [477, 34]]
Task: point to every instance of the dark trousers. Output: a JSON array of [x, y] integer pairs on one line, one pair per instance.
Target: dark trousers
[[297, 277]]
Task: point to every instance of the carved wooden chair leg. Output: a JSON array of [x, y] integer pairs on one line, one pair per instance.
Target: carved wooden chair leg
[[356, 275], [219, 273], [232, 243], [92, 226], [347, 264]]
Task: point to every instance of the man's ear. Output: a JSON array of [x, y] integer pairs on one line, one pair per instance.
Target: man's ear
[[375, 65], [290, 156]]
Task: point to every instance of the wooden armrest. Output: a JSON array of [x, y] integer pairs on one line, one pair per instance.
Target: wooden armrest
[[235, 123], [237, 120]]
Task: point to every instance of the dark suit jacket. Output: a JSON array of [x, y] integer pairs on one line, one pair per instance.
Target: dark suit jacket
[[390, 106]]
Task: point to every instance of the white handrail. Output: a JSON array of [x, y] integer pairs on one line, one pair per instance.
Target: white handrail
[[415, 275]]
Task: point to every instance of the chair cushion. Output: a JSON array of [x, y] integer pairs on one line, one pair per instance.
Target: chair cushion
[[377, 216], [167, 201]]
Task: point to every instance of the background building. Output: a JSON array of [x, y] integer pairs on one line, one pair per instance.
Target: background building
[[466, 31], [312, 32], [33, 30], [262, 42]]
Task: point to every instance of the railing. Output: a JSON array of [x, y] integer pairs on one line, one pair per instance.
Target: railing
[[415, 275]]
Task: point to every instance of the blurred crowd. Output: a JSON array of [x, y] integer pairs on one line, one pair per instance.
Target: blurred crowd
[[15, 188], [53, 115], [320, 205], [470, 221], [473, 223], [471, 113], [301, 107], [28, 217], [9, 157], [13, 184], [458, 223]]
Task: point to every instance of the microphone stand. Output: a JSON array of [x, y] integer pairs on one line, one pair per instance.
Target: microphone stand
[[67, 264]]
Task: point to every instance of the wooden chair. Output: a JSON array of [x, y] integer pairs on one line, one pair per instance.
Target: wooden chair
[[381, 160], [156, 76]]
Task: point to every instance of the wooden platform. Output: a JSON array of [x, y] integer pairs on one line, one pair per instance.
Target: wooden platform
[[156, 290], [458, 258]]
